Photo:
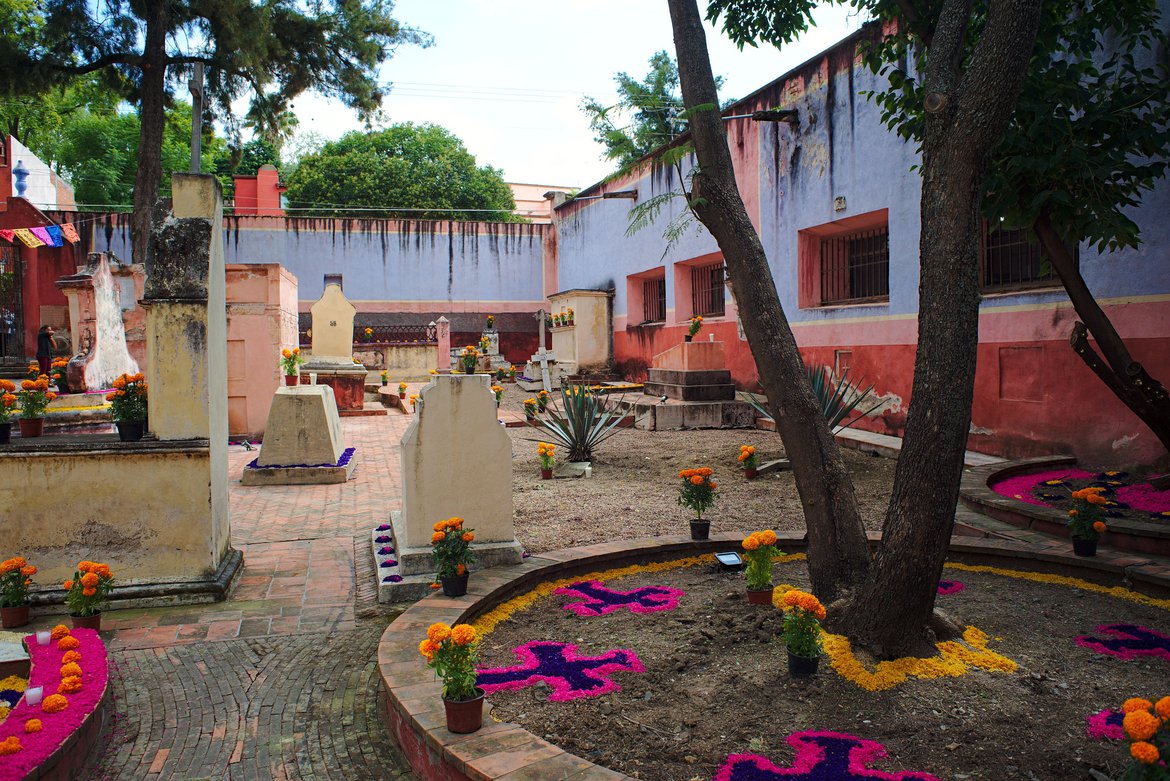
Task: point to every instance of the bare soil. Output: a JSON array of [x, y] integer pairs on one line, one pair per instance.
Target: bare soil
[[716, 682]]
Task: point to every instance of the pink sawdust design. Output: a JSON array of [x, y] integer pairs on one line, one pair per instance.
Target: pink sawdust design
[[1128, 642], [1020, 486], [597, 600], [1145, 497], [36, 747], [1105, 725], [570, 676], [820, 756]]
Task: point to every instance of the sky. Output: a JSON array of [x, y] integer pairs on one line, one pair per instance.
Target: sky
[[508, 77]]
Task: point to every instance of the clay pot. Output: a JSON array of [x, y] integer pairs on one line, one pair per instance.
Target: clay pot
[[32, 427], [12, 617], [546, 474], [750, 474], [688, 338], [455, 586], [292, 379], [5, 433], [700, 530], [802, 666], [87, 622], [761, 596], [130, 430], [1084, 547], [466, 715]]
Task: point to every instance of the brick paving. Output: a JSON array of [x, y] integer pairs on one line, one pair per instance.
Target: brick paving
[[280, 680]]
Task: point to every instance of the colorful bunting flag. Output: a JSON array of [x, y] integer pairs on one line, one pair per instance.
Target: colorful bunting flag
[[55, 235], [7, 235], [70, 233], [25, 235], [44, 236]]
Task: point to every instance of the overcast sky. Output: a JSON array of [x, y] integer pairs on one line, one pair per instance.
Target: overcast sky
[[508, 77]]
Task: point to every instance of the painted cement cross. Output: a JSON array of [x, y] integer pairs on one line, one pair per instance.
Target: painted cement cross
[[820, 756], [1128, 642], [557, 664], [599, 600]]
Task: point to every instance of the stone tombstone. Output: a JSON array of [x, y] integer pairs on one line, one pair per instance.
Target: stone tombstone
[[95, 305], [456, 461], [303, 428], [333, 326]]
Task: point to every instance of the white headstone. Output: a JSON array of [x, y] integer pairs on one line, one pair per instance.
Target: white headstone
[[303, 428], [333, 325]]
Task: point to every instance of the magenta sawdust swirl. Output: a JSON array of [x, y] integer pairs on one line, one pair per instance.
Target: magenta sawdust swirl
[[597, 600], [1105, 725], [946, 587], [557, 664], [820, 756], [1128, 641]]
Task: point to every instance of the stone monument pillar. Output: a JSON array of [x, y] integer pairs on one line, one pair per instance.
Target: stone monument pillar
[[332, 358], [456, 461], [443, 334]]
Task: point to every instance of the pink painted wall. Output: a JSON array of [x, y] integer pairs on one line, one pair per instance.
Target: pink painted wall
[[262, 320]]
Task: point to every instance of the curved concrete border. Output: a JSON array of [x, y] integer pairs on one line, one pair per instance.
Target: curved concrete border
[[976, 493], [508, 752]]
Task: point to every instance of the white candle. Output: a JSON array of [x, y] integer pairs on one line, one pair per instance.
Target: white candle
[[33, 694], [312, 378], [44, 638]]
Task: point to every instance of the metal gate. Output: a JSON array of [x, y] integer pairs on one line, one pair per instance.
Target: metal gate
[[11, 312]]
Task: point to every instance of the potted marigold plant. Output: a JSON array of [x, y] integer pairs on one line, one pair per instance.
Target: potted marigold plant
[[15, 579], [128, 406], [467, 359], [451, 552], [803, 613], [368, 333], [88, 593], [695, 325], [402, 390], [7, 409], [501, 373], [491, 322], [1084, 520], [511, 372], [485, 345], [290, 363], [760, 550], [530, 409], [34, 396], [747, 457], [569, 316], [698, 493], [414, 402], [385, 377], [57, 373], [548, 459], [498, 391], [451, 651], [542, 400], [1147, 727]]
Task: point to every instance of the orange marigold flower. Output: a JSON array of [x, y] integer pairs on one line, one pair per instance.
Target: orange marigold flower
[[706, 471], [10, 745], [59, 631], [1073, 513], [439, 526], [1162, 708], [54, 703], [743, 456], [27, 385], [696, 480], [438, 632], [70, 668], [68, 643], [436, 586], [468, 536], [89, 592], [70, 656], [84, 566], [1096, 499], [714, 485], [1141, 724], [32, 725], [28, 572], [102, 571], [751, 543], [438, 537], [67, 585], [428, 648], [70, 685], [89, 580], [460, 569], [769, 537], [1146, 753], [1099, 527], [463, 634]]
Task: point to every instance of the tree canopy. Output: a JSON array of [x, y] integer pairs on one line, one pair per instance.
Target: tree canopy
[[397, 172]]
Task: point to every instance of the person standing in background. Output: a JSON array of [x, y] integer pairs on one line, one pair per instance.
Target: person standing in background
[[45, 348]]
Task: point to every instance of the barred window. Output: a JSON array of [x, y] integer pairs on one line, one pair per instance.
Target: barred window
[[1011, 261], [855, 267], [654, 300], [707, 290]]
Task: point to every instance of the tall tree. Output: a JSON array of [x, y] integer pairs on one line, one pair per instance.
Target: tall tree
[[975, 60], [273, 50], [407, 170]]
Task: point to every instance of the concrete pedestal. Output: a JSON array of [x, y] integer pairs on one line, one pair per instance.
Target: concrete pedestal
[[348, 382], [302, 441]]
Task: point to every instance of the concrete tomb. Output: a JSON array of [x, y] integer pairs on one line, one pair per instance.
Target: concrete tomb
[[332, 353], [456, 461], [302, 441]]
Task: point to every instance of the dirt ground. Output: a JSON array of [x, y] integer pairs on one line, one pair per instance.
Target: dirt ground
[[634, 488], [716, 681]]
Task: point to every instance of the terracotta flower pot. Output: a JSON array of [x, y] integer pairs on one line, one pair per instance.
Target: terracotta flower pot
[[750, 474], [32, 427], [455, 586], [762, 596], [688, 338], [545, 474], [130, 430], [292, 379], [12, 617], [87, 622], [1084, 547], [465, 715], [700, 530], [802, 666]]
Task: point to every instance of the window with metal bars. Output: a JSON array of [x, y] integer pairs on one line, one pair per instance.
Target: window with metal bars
[[855, 267], [1012, 262], [707, 290], [654, 300]]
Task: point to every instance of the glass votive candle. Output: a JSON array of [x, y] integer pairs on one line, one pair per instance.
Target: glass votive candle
[[312, 378], [33, 695], [44, 638]]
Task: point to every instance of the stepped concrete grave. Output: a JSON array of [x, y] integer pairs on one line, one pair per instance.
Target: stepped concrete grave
[[303, 444]]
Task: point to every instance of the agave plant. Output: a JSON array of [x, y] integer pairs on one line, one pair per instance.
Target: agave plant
[[581, 422], [838, 401]]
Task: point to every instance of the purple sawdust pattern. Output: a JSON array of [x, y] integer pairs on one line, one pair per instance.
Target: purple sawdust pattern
[[598, 600], [1106, 725], [820, 756], [950, 587], [1128, 642], [557, 664]]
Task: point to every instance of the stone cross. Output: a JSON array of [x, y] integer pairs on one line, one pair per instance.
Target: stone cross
[[541, 354], [540, 317]]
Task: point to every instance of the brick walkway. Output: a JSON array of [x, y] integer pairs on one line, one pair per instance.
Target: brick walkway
[[279, 681]]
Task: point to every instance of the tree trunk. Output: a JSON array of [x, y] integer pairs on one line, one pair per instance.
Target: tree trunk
[[1125, 377], [892, 611], [838, 555], [152, 95]]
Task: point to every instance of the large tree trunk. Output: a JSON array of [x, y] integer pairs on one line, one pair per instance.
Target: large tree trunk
[[1125, 377], [838, 556], [152, 95], [892, 611]]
